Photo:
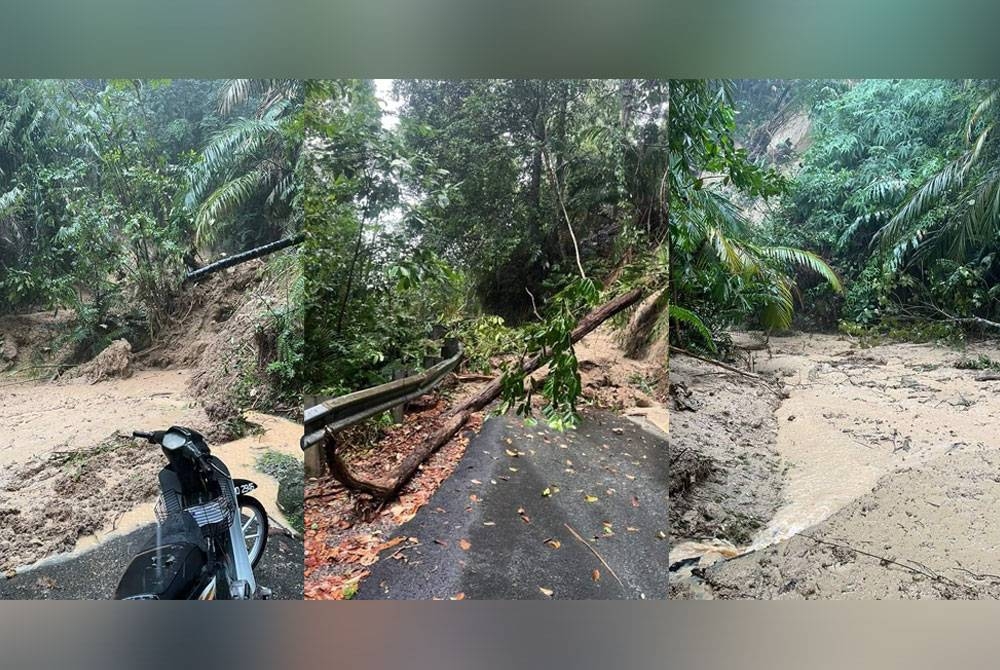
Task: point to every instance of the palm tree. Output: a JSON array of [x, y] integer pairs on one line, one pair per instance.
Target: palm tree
[[969, 186], [252, 159], [714, 261]]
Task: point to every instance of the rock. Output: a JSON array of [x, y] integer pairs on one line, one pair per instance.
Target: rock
[[114, 361], [713, 511], [8, 350]]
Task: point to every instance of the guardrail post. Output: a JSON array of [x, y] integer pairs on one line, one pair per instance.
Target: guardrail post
[[313, 461], [397, 411]]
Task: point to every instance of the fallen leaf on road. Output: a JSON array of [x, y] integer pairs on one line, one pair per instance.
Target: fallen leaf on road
[[464, 544], [546, 492], [590, 498], [596, 575], [554, 543], [458, 596], [545, 591]]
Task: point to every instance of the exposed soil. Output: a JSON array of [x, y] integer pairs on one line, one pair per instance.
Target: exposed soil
[[48, 504], [215, 336], [633, 387], [69, 477], [890, 479]]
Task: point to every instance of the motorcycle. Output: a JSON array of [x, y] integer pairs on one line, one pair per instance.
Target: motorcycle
[[210, 534]]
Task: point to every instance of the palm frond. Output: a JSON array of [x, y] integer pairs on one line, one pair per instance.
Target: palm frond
[[805, 259], [949, 179], [689, 318], [225, 200]]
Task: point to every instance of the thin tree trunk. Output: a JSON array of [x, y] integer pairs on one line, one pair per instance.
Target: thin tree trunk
[[587, 324], [388, 488]]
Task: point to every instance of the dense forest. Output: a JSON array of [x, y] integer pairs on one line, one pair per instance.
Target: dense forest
[[112, 191], [497, 212], [867, 205]]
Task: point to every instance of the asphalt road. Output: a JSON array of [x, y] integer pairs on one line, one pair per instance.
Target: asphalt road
[[502, 527], [94, 575]]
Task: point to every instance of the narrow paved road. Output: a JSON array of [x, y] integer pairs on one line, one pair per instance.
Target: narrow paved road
[[94, 575], [533, 513]]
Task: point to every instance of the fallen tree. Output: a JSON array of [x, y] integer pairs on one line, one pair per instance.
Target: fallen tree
[[391, 486], [459, 415], [245, 256], [587, 324]]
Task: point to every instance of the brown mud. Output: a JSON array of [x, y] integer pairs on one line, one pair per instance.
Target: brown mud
[[69, 475], [876, 477]]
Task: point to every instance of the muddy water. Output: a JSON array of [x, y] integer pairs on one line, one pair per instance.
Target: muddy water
[[39, 417], [854, 417]]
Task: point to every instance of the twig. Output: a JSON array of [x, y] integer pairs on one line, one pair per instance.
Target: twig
[[534, 307], [730, 368], [594, 552], [920, 568]]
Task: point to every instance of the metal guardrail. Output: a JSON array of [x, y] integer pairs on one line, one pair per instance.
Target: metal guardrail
[[347, 410]]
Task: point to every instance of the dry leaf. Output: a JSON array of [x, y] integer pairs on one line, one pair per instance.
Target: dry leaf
[[554, 543], [545, 591], [590, 498], [546, 492], [596, 575], [458, 596], [464, 544]]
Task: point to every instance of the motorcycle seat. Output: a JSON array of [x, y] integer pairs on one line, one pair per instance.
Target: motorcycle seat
[[170, 566]]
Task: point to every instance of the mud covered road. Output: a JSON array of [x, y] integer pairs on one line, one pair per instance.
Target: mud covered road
[[878, 475], [71, 479]]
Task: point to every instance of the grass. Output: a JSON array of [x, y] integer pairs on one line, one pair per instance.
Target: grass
[[289, 472], [981, 362]]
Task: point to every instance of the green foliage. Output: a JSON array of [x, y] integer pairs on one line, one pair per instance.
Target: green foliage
[[561, 386], [882, 156], [247, 168], [720, 274], [486, 337]]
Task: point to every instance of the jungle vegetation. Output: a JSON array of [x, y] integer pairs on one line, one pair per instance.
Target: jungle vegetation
[[494, 211], [898, 189], [112, 190]]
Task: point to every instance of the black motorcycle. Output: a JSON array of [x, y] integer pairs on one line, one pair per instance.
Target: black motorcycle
[[209, 535]]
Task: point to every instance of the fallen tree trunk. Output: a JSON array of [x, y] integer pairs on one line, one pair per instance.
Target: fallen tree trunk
[[459, 415], [245, 256], [587, 324], [387, 489]]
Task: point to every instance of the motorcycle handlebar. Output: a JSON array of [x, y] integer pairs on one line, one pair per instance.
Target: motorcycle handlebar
[[156, 437]]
